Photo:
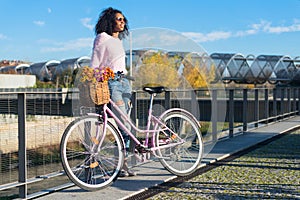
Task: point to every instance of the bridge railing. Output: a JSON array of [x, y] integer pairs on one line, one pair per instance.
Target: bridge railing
[[32, 123]]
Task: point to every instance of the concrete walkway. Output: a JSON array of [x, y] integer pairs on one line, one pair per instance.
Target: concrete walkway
[[152, 173]]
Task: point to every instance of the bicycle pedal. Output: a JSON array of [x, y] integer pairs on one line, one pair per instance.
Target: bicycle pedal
[[142, 149]]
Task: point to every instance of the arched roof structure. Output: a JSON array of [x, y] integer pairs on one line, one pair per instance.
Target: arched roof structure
[[74, 63], [43, 70], [257, 70], [19, 69], [229, 67], [235, 67], [285, 69], [221, 61]]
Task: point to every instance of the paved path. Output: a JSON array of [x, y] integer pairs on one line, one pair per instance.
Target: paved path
[[152, 173]]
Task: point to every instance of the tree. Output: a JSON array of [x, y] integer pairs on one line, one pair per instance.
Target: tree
[[197, 72], [157, 68]]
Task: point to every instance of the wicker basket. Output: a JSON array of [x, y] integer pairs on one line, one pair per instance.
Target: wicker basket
[[99, 92]]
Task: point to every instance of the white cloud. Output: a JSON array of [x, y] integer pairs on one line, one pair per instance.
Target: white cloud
[[160, 38], [86, 22], [262, 27], [72, 45], [39, 23], [171, 39], [143, 38], [3, 37], [282, 29], [49, 10], [246, 32], [212, 36], [254, 29], [218, 35]]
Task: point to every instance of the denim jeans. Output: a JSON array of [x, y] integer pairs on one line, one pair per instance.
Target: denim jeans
[[120, 93]]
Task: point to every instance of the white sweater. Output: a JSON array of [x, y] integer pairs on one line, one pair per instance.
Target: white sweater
[[108, 52]]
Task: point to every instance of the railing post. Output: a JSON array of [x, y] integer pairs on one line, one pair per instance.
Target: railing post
[[231, 112], [275, 103], [214, 115], [294, 101], [22, 145], [298, 101], [245, 106], [133, 113], [167, 100], [282, 93], [194, 105], [256, 107], [267, 105], [289, 101]]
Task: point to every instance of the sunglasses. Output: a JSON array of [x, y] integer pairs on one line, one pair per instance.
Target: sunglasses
[[120, 19]]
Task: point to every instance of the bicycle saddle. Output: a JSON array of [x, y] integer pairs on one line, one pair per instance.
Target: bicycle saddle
[[154, 90]]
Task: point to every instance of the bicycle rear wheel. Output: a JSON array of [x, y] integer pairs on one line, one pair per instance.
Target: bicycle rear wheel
[[91, 158], [184, 131]]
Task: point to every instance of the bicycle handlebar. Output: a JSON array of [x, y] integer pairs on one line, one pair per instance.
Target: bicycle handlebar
[[121, 75]]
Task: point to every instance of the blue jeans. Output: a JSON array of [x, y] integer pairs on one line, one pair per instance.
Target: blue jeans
[[120, 93]]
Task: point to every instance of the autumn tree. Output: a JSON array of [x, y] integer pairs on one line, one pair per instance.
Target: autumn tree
[[157, 68], [197, 72]]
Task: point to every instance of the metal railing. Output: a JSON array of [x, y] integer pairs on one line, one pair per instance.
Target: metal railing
[[32, 124]]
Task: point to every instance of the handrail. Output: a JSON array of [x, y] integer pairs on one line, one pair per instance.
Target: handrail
[[270, 105]]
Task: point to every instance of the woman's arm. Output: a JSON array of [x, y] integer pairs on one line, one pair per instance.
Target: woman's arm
[[98, 53]]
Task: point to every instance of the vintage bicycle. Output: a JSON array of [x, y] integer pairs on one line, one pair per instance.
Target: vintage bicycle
[[93, 150]]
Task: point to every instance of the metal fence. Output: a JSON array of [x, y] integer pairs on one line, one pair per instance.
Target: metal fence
[[32, 123]]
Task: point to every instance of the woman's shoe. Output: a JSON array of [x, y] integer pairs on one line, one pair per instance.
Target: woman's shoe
[[131, 173], [123, 173], [127, 173]]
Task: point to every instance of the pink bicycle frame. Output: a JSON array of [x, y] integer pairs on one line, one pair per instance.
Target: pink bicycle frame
[[107, 111]]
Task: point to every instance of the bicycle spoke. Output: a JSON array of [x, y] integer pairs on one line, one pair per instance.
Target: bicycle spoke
[[89, 163], [182, 131], [74, 154]]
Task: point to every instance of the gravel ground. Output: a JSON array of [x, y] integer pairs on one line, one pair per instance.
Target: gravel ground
[[269, 172]]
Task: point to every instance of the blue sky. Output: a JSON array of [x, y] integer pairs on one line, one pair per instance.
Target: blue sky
[[54, 29]]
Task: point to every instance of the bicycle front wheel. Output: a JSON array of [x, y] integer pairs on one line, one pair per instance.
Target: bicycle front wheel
[[180, 142], [91, 157]]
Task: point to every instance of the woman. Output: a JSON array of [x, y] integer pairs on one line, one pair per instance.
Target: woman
[[108, 51]]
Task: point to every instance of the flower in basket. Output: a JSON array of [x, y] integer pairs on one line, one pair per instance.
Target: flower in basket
[[94, 84], [103, 75], [97, 74]]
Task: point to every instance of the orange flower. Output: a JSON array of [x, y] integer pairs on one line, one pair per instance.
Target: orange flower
[[96, 74]]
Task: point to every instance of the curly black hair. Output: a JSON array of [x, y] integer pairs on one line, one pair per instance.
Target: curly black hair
[[107, 22]]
